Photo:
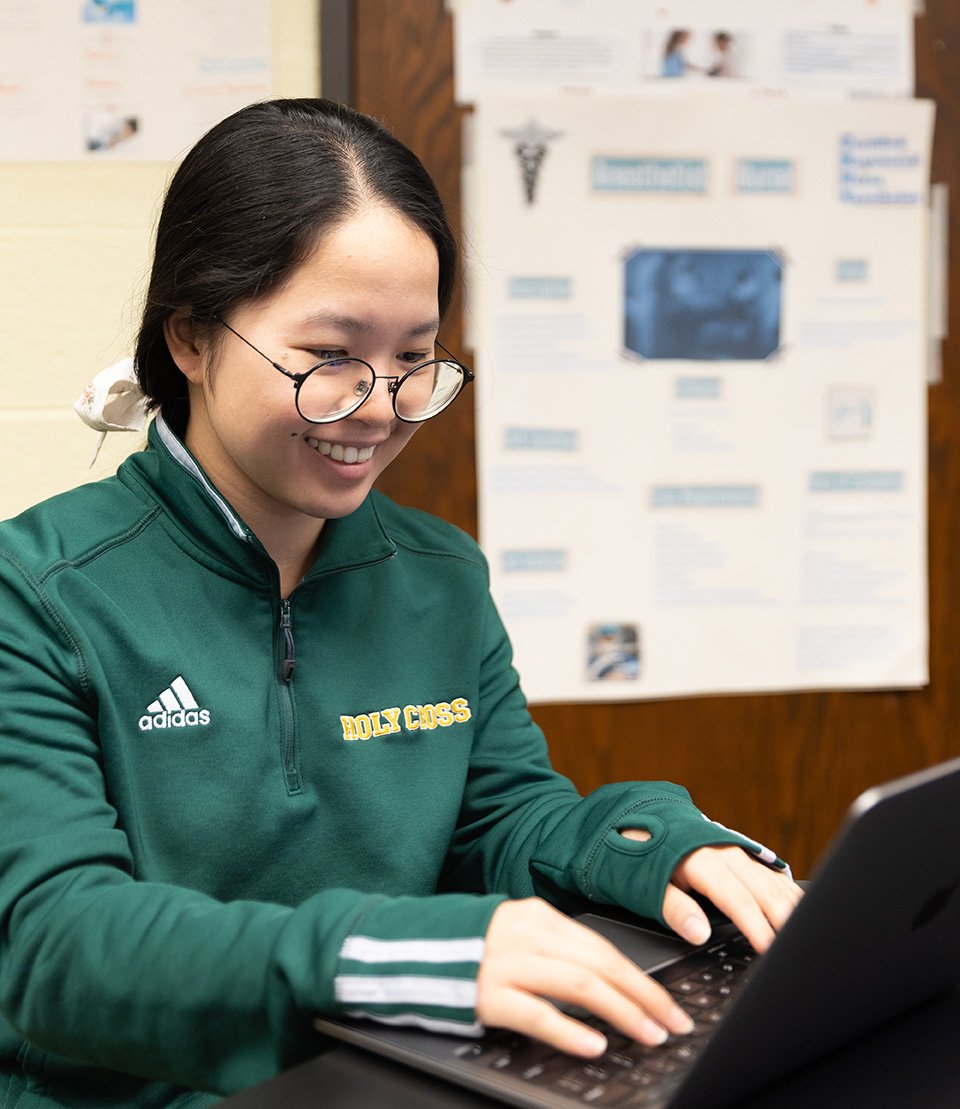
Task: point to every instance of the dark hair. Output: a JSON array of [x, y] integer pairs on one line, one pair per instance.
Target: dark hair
[[249, 202], [676, 37]]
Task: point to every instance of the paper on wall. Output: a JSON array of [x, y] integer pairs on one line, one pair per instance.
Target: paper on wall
[[701, 338]]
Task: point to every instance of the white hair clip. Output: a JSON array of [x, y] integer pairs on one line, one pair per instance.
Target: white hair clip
[[113, 402]]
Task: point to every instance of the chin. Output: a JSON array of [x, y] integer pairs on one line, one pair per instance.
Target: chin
[[335, 509]]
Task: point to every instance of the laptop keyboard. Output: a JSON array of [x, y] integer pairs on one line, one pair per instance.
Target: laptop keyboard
[[628, 1073]]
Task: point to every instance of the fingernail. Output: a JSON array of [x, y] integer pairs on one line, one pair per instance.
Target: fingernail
[[593, 1043], [653, 1033], [696, 929], [681, 1023]]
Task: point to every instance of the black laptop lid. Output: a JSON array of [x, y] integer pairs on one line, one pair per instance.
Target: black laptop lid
[[877, 933]]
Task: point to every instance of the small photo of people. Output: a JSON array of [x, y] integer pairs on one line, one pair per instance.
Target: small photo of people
[[109, 11], [613, 653], [106, 131], [685, 52]]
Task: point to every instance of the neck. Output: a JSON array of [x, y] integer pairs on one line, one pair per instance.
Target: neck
[[293, 554], [289, 536]]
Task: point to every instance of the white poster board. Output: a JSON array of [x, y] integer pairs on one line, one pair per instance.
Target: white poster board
[[125, 79], [628, 47], [701, 340]]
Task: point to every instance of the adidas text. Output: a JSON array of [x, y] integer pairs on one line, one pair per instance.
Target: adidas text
[[182, 718], [176, 707]]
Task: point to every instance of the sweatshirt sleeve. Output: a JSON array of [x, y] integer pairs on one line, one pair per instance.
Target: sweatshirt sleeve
[[414, 961], [584, 855], [155, 980], [525, 829]]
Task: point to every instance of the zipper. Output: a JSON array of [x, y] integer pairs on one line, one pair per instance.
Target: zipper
[[289, 662], [290, 746], [286, 654]]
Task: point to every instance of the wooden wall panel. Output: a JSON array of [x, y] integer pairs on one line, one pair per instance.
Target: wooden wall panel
[[783, 767]]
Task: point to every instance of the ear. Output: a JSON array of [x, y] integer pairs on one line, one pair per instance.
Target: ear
[[184, 346]]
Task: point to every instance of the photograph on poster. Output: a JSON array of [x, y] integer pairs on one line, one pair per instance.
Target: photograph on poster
[[106, 131], [696, 52], [613, 653], [703, 305], [109, 11]]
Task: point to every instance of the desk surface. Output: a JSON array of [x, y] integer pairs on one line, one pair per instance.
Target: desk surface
[[914, 1061]]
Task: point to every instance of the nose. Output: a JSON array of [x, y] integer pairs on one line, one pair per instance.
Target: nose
[[378, 407]]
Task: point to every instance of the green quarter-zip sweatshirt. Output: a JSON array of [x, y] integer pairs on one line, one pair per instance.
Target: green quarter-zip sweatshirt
[[222, 813]]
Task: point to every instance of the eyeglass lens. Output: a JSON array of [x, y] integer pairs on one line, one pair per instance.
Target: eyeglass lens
[[334, 389]]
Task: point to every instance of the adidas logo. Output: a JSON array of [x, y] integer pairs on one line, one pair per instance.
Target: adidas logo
[[176, 707]]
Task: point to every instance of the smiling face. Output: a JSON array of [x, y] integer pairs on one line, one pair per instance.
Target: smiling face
[[369, 291]]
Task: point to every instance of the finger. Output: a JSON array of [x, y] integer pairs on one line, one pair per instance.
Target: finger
[[777, 892], [685, 916], [577, 966], [757, 899], [540, 930], [585, 949], [539, 977], [533, 1016], [774, 891], [734, 899]]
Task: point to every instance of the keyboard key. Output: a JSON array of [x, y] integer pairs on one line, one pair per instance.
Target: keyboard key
[[573, 1082], [609, 1093], [629, 1074]]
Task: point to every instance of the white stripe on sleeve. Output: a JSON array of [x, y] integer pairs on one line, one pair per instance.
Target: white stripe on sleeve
[[366, 949], [405, 989]]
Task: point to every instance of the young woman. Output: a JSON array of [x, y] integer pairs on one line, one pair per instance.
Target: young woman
[[264, 754]]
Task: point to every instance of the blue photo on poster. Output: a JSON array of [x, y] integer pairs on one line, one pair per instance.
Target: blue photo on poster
[[706, 305], [109, 11]]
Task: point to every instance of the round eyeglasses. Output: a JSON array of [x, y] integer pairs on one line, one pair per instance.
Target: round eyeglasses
[[337, 387]]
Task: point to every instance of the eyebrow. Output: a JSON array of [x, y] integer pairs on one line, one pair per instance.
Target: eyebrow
[[365, 327]]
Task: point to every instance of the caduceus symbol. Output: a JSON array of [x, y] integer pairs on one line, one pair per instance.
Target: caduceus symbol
[[530, 144]]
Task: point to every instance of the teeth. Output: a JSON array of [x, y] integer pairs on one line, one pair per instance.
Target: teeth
[[340, 453]]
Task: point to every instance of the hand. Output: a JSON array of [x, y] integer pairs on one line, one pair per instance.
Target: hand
[[533, 952], [756, 897]]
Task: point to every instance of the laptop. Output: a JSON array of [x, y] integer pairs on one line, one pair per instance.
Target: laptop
[[875, 935]]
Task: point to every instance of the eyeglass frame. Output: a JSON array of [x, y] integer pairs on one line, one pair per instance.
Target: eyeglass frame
[[394, 381]]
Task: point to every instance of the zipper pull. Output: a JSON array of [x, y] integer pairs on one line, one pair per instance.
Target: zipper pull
[[289, 663]]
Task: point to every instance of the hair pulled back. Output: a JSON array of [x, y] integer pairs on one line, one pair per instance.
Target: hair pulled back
[[249, 202]]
